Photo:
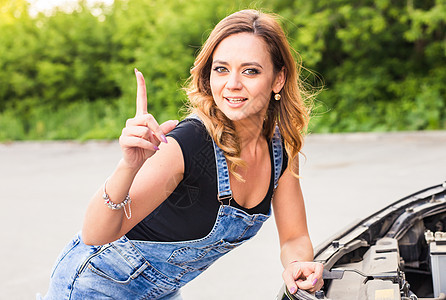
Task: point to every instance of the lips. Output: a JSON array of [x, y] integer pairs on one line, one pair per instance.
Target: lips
[[235, 100]]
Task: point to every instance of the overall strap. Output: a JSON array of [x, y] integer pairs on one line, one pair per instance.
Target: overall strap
[[223, 184], [224, 191]]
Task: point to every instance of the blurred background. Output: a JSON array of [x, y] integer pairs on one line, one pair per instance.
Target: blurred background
[[66, 73], [66, 66]]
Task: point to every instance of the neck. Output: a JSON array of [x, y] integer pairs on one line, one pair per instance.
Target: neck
[[249, 132]]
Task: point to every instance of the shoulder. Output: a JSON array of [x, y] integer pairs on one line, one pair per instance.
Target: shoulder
[[189, 124], [195, 143], [190, 133]]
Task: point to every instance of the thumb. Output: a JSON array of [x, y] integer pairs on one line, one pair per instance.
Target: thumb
[[167, 126]]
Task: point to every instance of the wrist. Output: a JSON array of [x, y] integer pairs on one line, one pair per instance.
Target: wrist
[[116, 206], [128, 169], [121, 180]]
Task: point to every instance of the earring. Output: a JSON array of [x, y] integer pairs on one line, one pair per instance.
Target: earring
[[277, 97]]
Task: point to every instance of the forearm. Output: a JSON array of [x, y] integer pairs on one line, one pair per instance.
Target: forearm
[[101, 223], [298, 249]]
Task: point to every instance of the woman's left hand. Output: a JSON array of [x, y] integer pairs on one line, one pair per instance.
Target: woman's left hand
[[304, 276]]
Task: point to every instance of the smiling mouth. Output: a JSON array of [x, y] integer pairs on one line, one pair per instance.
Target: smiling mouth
[[236, 100]]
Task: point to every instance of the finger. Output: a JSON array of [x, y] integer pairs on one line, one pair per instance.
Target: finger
[[319, 269], [306, 284], [310, 285], [319, 284], [137, 121], [317, 281], [136, 142], [288, 278], [138, 131], [316, 276], [312, 268], [167, 126], [150, 122], [155, 127], [141, 94]]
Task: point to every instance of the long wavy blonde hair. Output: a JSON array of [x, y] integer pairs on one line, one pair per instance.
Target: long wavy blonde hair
[[290, 113]]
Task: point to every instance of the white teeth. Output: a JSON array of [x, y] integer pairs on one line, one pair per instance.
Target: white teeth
[[235, 100]]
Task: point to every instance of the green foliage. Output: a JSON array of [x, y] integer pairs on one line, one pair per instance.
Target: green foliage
[[384, 62], [69, 75]]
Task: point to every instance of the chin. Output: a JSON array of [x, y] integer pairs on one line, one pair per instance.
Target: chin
[[237, 116]]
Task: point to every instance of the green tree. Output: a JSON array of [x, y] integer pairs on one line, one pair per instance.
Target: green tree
[[70, 74], [383, 62]]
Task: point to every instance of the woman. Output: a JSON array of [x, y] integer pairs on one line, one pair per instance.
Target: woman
[[185, 194]]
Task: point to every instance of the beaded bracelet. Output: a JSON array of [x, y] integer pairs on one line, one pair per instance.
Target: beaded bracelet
[[116, 206]]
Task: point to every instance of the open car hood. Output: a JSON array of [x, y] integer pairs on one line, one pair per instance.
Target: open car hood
[[397, 253]]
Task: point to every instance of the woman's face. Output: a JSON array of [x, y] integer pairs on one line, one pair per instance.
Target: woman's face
[[242, 77]]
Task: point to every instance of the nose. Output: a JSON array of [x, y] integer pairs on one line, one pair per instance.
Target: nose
[[234, 82]]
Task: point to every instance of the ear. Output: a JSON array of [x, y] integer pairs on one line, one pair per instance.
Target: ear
[[279, 81]]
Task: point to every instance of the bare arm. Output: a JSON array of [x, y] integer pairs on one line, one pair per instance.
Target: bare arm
[[296, 249], [149, 171], [148, 188]]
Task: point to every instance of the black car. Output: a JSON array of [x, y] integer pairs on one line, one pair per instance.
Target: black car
[[397, 253]]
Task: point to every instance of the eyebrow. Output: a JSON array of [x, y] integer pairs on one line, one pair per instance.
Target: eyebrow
[[253, 63]]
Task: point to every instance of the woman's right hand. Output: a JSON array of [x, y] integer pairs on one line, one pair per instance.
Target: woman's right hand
[[142, 135]]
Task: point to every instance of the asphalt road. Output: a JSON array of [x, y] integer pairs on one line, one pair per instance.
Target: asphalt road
[[45, 188]]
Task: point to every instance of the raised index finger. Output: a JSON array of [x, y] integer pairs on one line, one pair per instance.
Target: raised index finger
[[141, 94]]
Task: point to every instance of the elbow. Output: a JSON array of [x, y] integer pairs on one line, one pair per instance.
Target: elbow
[[91, 239], [94, 234], [88, 239]]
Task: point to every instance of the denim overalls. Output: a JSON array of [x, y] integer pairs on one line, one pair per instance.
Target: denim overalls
[[132, 269]]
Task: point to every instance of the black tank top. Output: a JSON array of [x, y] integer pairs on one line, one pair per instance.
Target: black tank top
[[190, 211]]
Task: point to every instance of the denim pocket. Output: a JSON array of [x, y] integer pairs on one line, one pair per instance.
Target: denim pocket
[[200, 257], [65, 251], [111, 265]]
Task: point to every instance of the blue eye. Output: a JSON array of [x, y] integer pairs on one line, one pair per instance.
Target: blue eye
[[251, 71], [220, 69]]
